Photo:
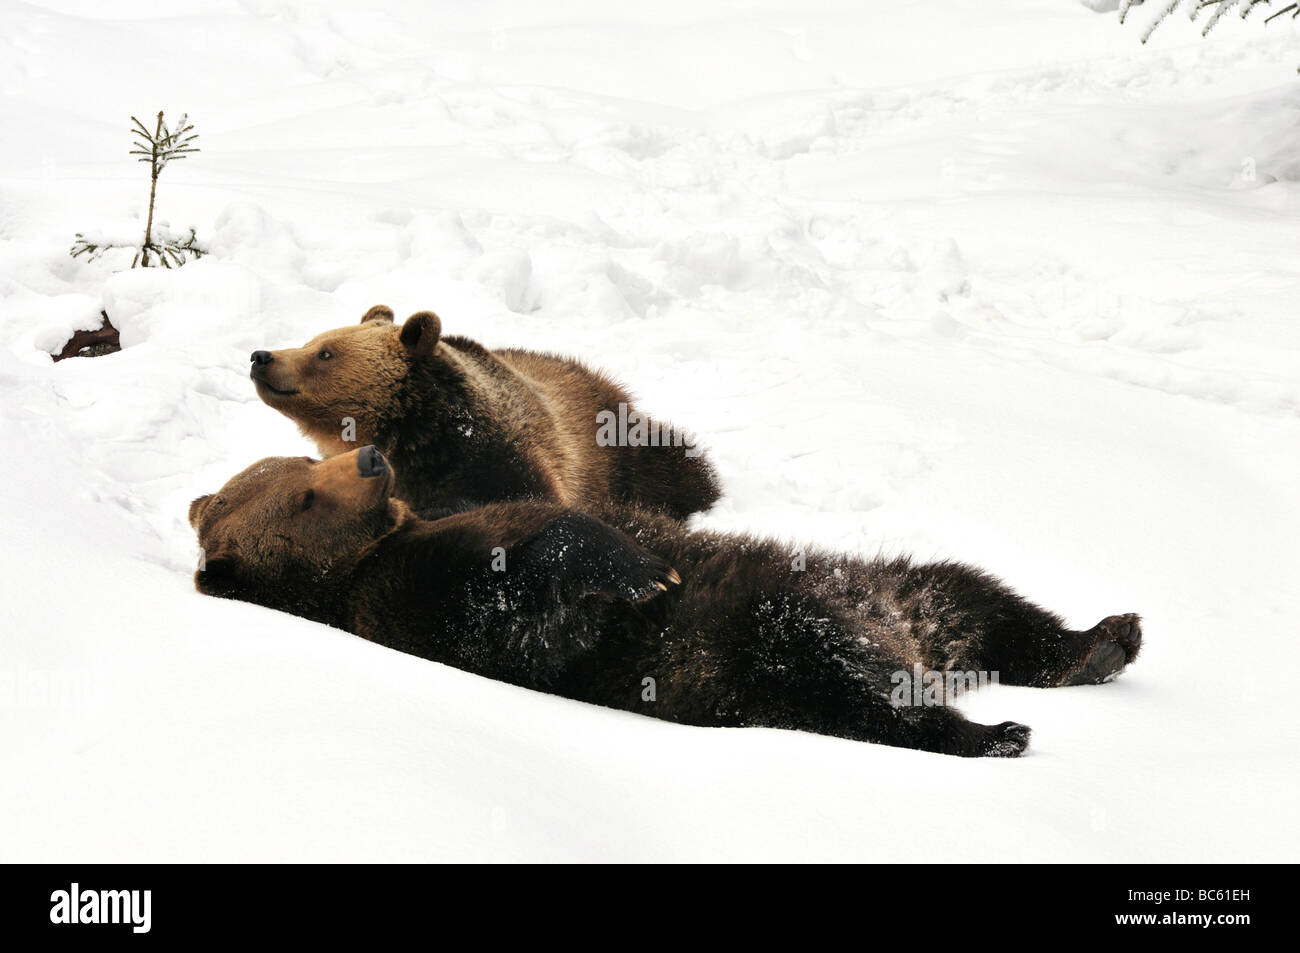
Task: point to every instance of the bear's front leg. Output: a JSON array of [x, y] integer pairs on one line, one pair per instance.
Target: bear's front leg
[[576, 556], [550, 597]]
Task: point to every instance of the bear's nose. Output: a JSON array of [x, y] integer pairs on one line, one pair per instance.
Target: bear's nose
[[370, 462], [262, 357]]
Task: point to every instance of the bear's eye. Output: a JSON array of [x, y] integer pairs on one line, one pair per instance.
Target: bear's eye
[[308, 499], [324, 354]]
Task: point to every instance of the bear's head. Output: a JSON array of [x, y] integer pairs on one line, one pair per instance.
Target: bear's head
[[281, 530], [342, 384]]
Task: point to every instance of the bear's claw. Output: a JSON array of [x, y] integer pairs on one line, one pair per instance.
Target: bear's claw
[[661, 577]]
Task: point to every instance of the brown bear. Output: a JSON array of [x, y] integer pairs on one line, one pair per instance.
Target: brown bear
[[638, 613], [464, 423]]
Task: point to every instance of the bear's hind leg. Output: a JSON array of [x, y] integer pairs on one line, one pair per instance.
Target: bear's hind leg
[[1041, 658], [674, 479], [947, 731], [1116, 641], [802, 666], [968, 621]]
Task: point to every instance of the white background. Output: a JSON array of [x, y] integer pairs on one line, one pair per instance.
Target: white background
[[990, 281]]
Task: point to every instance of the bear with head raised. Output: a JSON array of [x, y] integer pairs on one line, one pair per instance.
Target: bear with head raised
[[462, 423], [629, 609]]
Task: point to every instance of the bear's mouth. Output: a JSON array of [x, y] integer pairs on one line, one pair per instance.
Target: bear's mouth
[[262, 382]]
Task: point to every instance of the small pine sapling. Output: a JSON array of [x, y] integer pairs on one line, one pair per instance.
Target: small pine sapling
[[157, 148]]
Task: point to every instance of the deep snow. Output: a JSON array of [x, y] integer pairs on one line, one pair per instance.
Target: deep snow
[[990, 281]]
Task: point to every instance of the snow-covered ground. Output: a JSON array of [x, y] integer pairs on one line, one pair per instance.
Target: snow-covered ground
[[983, 280]]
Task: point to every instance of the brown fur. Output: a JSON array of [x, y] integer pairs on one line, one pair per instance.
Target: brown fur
[[462, 422], [730, 631]]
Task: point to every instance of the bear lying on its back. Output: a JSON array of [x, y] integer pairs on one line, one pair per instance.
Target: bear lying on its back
[[462, 422], [563, 602]]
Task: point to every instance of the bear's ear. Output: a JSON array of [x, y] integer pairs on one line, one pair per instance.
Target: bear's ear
[[196, 509], [420, 333], [380, 312]]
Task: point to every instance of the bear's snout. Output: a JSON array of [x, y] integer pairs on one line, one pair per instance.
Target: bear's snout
[[262, 371], [370, 462]]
